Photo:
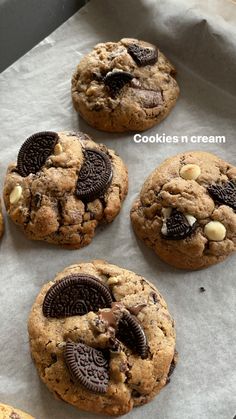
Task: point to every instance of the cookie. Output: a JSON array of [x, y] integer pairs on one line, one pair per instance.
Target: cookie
[[102, 338], [1, 221], [8, 412], [124, 86], [186, 210], [62, 186]]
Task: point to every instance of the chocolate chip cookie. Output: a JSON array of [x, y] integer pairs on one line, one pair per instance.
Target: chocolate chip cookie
[[124, 86], [8, 412], [186, 210], [102, 338], [62, 186]]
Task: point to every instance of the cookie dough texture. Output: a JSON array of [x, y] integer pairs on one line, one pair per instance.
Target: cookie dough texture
[[1, 221], [8, 412], [45, 205], [165, 188], [133, 381], [135, 108]]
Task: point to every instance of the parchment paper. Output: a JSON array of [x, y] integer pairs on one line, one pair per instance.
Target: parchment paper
[[200, 38]]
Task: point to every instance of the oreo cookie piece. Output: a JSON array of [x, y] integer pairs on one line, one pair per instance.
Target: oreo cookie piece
[[76, 295], [94, 176], [116, 80], [88, 366], [35, 151], [143, 56], [224, 194], [178, 227], [130, 332]]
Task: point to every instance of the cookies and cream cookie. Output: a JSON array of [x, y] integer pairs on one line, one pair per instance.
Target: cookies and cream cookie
[[62, 186], [102, 338], [186, 210], [8, 412], [123, 86]]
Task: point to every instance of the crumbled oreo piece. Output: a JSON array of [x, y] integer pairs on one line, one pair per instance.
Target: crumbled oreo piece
[[75, 295], [178, 227], [224, 194], [143, 56], [94, 176], [130, 333], [116, 80], [88, 366], [35, 151]]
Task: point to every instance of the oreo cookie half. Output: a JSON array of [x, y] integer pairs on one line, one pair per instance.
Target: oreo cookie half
[[88, 366], [224, 194], [35, 151], [130, 332], [94, 176], [76, 295]]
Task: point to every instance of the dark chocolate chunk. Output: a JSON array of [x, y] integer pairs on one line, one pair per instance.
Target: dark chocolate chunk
[[143, 56], [224, 194], [35, 151], [131, 333], [76, 295], [116, 80], [88, 366], [178, 227], [94, 176], [149, 98]]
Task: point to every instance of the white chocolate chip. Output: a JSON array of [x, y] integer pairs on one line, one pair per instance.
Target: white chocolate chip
[[190, 218], [164, 228], [190, 171], [166, 212], [15, 194], [58, 149], [214, 230], [112, 281]]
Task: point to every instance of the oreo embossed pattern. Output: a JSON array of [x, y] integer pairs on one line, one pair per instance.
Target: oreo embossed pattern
[[98, 344]]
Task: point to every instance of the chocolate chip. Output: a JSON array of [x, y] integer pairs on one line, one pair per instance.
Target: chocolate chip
[[154, 297], [178, 227], [116, 80], [149, 98], [224, 194], [135, 394], [131, 333], [143, 56], [35, 151], [88, 366], [94, 176], [76, 294], [37, 199]]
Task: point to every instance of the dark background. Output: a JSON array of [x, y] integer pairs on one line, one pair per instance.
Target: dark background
[[23, 23]]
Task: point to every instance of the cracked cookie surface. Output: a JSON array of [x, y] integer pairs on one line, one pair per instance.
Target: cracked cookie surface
[[124, 86], [133, 379], [179, 215], [8, 412], [49, 204]]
